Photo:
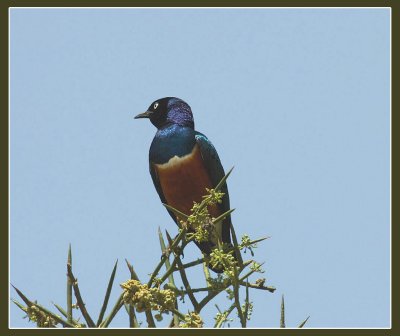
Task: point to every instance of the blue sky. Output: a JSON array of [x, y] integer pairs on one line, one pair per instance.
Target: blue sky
[[298, 100]]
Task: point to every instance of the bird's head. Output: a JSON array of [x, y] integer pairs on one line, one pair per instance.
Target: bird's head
[[169, 110]]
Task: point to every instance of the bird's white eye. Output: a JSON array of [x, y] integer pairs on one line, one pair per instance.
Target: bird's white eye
[[155, 105]]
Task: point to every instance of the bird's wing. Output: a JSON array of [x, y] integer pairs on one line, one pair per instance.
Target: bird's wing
[[216, 172], [157, 185]]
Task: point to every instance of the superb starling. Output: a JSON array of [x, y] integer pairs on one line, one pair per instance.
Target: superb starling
[[183, 163]]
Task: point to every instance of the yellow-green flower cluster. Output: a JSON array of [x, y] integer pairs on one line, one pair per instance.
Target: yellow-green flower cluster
[[144, 298], [202, 231], [199, 215], [247, 245], [219, 283], [192, 320], [222, 318], [256, 267], [213, 196], [221, 259], [200, 219], [249, 309], [42, 320], [231, 294], [246, 242]]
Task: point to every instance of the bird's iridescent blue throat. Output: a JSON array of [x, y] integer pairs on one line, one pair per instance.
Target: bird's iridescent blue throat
[[172, 140]]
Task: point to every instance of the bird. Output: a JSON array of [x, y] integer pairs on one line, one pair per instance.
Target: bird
[[183, 163]]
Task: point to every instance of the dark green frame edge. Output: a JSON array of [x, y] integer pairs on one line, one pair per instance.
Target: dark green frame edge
[[4, 304]]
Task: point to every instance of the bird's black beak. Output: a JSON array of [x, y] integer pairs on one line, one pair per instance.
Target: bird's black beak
[[146, 114]]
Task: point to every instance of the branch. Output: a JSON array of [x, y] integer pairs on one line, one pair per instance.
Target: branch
[[107, 296], [69, 289], [79, 300], [164, 256]]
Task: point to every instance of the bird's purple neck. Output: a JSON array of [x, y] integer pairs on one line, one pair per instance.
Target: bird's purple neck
[[179, 113]]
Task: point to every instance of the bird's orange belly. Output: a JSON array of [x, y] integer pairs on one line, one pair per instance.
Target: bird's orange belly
[[184, 180]]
